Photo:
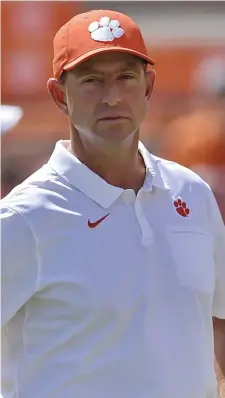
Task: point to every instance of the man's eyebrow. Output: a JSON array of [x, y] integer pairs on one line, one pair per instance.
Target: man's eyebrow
[[131, 66], [88, 70]]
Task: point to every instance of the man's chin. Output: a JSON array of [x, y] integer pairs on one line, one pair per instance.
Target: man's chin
[[115, 129], [115, 134]]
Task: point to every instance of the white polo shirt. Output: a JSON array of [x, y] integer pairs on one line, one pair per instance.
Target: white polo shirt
[[106, 294]]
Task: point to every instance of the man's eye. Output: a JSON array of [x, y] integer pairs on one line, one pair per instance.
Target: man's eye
[[92, 80], [126, 76]]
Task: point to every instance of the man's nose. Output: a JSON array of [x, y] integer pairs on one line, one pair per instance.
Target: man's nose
[[112, 95]]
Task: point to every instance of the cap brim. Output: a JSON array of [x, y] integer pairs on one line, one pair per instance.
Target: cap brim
[[97, 51]]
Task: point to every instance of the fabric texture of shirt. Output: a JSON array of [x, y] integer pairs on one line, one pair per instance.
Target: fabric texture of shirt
[[108, 294]]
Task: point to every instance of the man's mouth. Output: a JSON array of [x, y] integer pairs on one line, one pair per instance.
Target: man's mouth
[[112, 118]]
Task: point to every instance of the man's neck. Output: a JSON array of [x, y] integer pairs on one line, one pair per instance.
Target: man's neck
[[121, 166]]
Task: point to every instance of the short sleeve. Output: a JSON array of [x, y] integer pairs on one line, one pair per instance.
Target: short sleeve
[[219, 258], [19, 265]]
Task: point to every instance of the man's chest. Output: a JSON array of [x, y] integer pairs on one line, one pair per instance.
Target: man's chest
[[136, 251]]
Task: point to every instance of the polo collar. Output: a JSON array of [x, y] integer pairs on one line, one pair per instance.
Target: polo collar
[[158, 180], [64, 163]]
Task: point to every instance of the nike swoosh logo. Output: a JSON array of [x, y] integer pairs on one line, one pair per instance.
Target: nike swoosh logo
[[96, 223]]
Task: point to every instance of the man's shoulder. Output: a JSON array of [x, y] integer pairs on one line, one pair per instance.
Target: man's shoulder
[[34, 193], [175, 173]]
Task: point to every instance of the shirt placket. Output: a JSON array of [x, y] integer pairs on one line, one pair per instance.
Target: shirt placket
[[145, 227]]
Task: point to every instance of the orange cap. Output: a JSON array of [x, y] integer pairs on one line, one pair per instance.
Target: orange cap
[[95, 32]]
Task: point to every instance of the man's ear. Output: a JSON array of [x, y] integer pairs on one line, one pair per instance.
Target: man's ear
[[57, 93], [150, 80]]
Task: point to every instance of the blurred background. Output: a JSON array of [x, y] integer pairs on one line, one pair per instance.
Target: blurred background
[[185, 121]]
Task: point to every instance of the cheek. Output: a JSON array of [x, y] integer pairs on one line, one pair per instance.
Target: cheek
[[80, 104], [137, 102], [81, 109]]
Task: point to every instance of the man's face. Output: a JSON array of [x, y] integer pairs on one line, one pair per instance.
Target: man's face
[[107, 95]]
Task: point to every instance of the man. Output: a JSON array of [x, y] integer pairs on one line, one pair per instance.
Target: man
[[113, 259]]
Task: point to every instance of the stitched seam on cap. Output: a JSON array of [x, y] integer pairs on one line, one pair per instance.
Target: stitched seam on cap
[[67, 34]]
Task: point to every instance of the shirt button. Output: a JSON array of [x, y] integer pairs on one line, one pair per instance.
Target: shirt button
[[129, 196]]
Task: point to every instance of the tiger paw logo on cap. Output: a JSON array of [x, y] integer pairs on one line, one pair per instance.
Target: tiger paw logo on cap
[[105, 29], [94, 32]]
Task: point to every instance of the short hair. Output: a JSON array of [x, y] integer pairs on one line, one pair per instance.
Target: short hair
[[62, 78]]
